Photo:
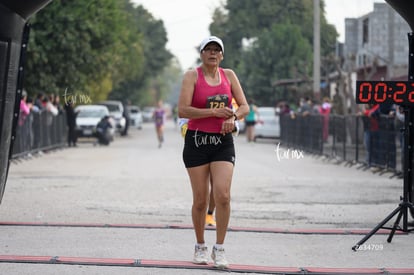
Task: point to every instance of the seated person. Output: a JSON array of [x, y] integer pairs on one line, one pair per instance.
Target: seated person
[[102, 131]]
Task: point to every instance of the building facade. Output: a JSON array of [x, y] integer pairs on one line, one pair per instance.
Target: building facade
[[376, 44]]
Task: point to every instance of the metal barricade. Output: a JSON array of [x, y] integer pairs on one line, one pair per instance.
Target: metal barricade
[[369, 142], [39, 131], [302, 132]]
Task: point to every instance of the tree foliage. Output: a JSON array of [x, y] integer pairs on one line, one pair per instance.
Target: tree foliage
[[96, 48], [265, 62], [154, 59], [268, 40], [113, 49]]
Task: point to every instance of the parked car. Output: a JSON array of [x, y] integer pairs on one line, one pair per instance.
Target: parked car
[[87, 119], [147, 113], [135, 116], [116, 111], [268, 125]]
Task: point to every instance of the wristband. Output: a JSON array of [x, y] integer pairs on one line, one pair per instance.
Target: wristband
[[235, 117]]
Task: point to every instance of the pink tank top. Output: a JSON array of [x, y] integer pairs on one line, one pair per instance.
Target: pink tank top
[[207, 96]]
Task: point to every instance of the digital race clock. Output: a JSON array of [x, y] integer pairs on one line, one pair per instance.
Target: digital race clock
[[377, 92]]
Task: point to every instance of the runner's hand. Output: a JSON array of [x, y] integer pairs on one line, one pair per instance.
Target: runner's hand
[[227, 126], [225, 112]]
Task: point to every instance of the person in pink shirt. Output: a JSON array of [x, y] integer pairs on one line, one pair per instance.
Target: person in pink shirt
[[24, 108], [325, 110], [206, 100], [24, 124]]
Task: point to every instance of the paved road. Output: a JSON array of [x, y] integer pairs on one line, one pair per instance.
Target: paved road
[[133, 182]]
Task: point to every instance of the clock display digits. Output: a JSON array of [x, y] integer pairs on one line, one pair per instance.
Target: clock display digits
[[380, 94], [411, 94], [399, 93], [365, 91], [390, 92]]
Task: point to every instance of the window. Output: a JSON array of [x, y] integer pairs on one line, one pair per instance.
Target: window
[[365, 31]]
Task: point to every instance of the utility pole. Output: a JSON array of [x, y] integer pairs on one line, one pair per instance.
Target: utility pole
[[391, 43], [316, 50]]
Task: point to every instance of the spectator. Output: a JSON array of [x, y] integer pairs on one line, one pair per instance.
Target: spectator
[[35, 123], [24, 108], [39, 101], [387, 136], [56, 103], [71, 123], [305, 107], [371, 134], [325, 110], [48, 105], [33, 108], [304, 111], [284, 108], [48, 118], [24, 126]]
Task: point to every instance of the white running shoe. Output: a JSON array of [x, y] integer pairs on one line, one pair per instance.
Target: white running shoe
[[200, 255], [219, 258]]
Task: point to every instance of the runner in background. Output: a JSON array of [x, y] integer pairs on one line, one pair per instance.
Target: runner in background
[[159, 118]]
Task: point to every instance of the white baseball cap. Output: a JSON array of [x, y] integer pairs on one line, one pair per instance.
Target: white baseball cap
[[211, 39]]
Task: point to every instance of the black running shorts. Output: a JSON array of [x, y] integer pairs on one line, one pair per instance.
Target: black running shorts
[[201, 148], [250, 123]]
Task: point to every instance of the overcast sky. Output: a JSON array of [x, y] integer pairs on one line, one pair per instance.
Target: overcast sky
[[187, 21]]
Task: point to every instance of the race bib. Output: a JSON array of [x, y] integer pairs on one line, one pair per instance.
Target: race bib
[[217, 101]]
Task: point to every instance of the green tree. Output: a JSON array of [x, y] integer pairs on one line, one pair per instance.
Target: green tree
[[71, 44], [280, 52], [96, 48], [153, 36], [279, 36]]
